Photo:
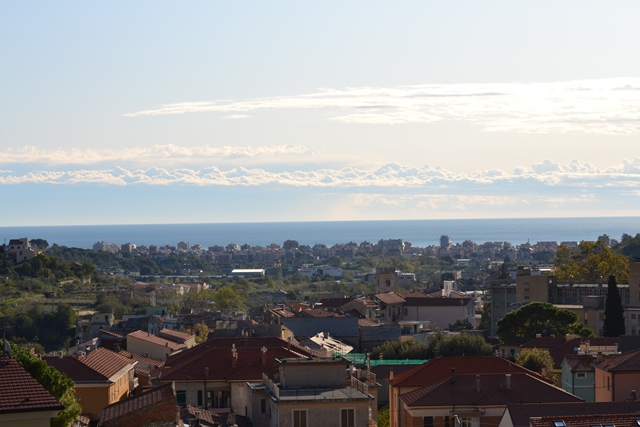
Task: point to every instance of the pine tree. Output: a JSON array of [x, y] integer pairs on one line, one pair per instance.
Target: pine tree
[[613, 311]]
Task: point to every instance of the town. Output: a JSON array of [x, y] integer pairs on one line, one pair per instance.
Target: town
[[357, 334]]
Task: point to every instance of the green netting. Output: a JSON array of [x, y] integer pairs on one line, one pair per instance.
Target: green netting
[[361, 359]]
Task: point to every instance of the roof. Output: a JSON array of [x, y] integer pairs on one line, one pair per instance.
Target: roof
[[618, 420], [20, 392], [438, 302], [150, 338], [440, 368], [622, 362], [136, 403], [177, 336], [628, 343], [580, 362], [216, 355], [309, 326], [333, 302], [390, 298], [487, 389], [413, 293], [100, 365], [316, 312], [520, 414]]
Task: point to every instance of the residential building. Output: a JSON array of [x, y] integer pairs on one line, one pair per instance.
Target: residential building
[[578, 376], [617, 376], [310, 393], [440, 312], [152, 346], [213, 374], [101, 378], [522, 415], [23, 401], [19, 250], [437, 370], [154, 408], [391, 307], [474, 400], [503, 298]]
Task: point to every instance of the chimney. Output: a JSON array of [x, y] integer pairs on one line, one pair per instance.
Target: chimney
[[507, 381], [234, 356], [599, 357], [391, 374], [453, 375], [477, 383]]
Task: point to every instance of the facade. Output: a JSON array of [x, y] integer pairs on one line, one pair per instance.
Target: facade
[[440, 312], [503, 298], [19, 250], [23, 401], [101, 378], [309, 393], [154, 408], [578, 376], [617, 376], [154, 347]]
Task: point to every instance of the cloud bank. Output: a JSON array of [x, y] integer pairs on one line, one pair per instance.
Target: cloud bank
[[390, 176], [605, 106]]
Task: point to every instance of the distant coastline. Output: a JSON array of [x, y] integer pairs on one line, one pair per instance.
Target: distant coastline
[[420, 233]]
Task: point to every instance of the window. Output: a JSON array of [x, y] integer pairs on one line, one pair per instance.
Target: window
[[263, 406], [199, 398], [181, 397], [469, 422], [427, 422], [581, 375], [347, 418], [300, 418], [608, 383]]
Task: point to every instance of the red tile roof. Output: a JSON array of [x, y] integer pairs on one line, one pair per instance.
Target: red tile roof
[[493, 390], [316, 312], [560, 347], [177, 336], [216, 354], [440, 368], [617, 420], [390, 298], [145, 336], [132, 404], [623, 362], [520, 414], [580, 362], [20, 392], [98, 366], [437, 302]]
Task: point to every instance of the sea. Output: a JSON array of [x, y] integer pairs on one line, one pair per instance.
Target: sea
[[419, 233]]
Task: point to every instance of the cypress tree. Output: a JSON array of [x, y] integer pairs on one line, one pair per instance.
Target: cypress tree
[[613, 311]]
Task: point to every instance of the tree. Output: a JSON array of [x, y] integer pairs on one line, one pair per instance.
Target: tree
[[56, 383], [227, 298], [613, 311], [590, 261], [460, 325], [535, 359], [408, 349], [541, 318], [463, 345], [383, 416]]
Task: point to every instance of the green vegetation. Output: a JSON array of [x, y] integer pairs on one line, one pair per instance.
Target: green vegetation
[[613, 312], [589, 262], [536, 359], [541, 318], [439, 345], [56, 383]]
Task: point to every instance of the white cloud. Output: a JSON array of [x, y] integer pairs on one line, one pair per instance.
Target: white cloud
[[606, 106], [391, 176], [157, 153]]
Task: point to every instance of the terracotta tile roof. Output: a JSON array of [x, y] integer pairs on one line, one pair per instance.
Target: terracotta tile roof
[[524, 388], [520, 414], [282, 312], [316, 312], [177, 336], [621, 362], [333, 302], [145, 365], [367, 322], [216, 354], [20, 392], [100, 365], [136, 403], [413, 293], [390, 298], [440, 368], [580, 362], [145, 336], [617, 420]]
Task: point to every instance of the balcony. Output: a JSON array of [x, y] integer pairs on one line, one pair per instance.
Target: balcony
[[354, 390]]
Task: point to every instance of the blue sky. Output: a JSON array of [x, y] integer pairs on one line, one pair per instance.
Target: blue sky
[[212, 111]]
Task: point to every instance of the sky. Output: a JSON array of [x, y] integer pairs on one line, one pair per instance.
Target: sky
[[252, 111]]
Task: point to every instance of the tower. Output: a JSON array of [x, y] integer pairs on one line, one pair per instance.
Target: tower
[[386, 279]]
